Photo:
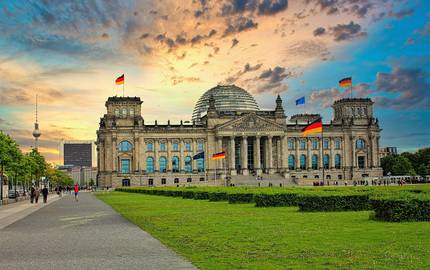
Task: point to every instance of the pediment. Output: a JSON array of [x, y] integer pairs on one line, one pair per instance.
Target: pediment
[[250, 123]]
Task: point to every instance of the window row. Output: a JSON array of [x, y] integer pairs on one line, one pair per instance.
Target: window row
[[314, 144], [162, 146], [126, 146], [303, 164], [175, 161], [124, 112]]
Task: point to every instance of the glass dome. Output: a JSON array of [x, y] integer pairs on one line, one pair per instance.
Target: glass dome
[[227, 98]]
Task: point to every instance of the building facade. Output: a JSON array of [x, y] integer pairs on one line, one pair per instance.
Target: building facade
[[387, 151], [78, 153], [263, 143]]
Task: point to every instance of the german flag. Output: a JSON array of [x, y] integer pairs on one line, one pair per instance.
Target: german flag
[[120, 80], [312, 128], [219, 155], [345, 82]]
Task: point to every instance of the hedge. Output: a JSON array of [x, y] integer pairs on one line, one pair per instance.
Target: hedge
[[240, 198], [415, 208], [281, 199], [218, 196], [338, 202]]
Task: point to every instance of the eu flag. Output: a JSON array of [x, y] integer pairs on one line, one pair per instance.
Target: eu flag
[[300, 101], [199, 156]]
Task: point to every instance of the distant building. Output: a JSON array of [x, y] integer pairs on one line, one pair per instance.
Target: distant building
[[387, 151], [78, 153], [80, 175]]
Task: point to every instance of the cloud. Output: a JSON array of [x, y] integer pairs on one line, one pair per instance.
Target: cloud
[[324, 98], [246, 69], [319, 31], [401, 14], [238, 25], [270, 80], [261, 7], [349, 31], [180, 79], [234, 42], [409, 86]]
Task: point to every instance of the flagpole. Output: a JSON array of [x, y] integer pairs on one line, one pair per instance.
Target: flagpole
[[322, 145], [123, 84]]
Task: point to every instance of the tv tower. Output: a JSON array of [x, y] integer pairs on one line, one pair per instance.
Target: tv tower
[[36, 131]]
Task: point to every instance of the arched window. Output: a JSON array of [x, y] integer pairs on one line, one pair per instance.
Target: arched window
[[314, 162], [314, 144], [325, 144], [131, 112], [337, 161], [187, 146], [162, 146], [163, 164], [175, 164], [175, 146], [188, 164], [125, 146], [291, 162], [201, 165], [149, 164], [360, 144], [117, 112], [200, 146], [326, 161], [337, 144], [302, 162], [124, 112]]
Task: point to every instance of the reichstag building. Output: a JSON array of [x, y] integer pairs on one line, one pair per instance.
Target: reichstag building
[[262, 147]]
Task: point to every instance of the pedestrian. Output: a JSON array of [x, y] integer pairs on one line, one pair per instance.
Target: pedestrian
[[45, 194], [76, 192], [61, 191], [32, 193], [36, 194]]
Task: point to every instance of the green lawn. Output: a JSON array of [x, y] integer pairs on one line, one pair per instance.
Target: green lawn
[[218, 235]]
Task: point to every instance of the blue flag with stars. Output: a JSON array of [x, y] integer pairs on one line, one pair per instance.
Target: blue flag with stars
[[300, 101]]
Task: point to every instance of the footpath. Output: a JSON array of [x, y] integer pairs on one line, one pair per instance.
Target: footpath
[[87, 234], [12, 212]]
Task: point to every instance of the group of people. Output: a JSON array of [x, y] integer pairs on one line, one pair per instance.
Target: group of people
[[35, 193]]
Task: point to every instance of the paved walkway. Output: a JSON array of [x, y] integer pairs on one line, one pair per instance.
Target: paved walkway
[[84, 235]]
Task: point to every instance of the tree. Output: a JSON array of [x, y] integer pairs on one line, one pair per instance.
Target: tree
[[387, 164], [402, 166]]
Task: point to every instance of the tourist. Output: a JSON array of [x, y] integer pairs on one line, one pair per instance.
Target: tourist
[[76, 192], [45, 194], [36, 194], [61, 191], [32, 191]]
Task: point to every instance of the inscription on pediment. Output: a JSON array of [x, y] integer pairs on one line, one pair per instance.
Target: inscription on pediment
[[251, 123]]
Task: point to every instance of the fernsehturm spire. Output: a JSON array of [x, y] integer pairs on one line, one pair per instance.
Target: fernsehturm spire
[[36, 131]]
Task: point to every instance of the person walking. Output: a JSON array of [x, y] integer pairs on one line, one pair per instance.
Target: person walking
[[76, 192], [45, 194], [32, 193], [36, 194]]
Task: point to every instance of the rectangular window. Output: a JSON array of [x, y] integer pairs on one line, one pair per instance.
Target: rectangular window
[[200, 146], [125, 166], [337, 144], [302, 145], [188, 146], [290, 144], [189, 179], [162, 147], [176, 180], [149, 147], [150, 182], [361, 162], [175, 147], [163, 181], [325, 144], [314, 145], [202, 179]]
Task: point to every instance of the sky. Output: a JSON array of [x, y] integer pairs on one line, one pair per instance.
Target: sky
[[69, 53]]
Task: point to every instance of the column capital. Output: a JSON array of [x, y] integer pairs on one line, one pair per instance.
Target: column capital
[[244, 137]]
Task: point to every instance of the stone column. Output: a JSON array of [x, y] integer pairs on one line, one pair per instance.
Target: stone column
[[244, 147], [278, 154], [114, 155], [136, 153], [219, 162], [181, 156], [156, 164], [331, 146], [321, 158], [284, 152], [194, 151], [232, 156], [297, 157], [169, 155], [309, 156], [142, 155], [353, 162], [257, 155], [270, 153], [378, 161]]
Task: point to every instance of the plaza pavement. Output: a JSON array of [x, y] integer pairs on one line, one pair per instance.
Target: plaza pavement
[[82, 235]]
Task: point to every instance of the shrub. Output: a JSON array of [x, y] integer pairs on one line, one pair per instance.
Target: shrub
[[201, 195], [218, 196], [240, 197], [281, 199], [338, 202], [188, 194], [396, 209]]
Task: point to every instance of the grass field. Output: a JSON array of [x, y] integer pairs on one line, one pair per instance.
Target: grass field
[[218, 235]]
